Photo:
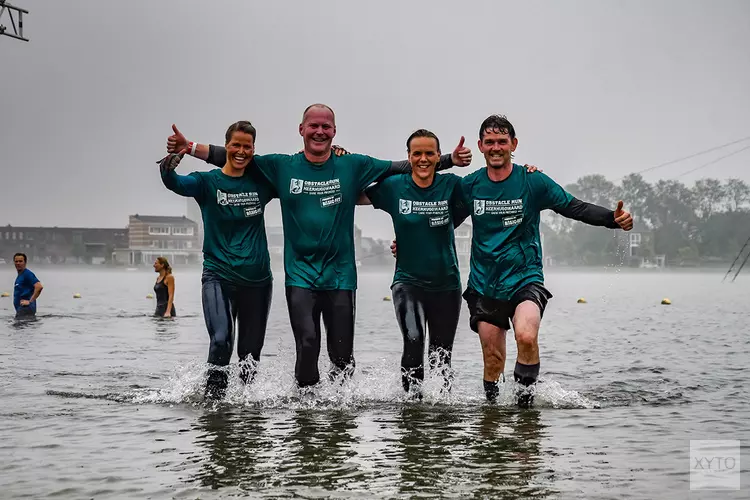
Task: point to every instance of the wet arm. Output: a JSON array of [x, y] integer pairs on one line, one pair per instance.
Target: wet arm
[[170, 289], [460, 213], [459, 208], [215, 155], [184, 185], [202, 151], [37, 291], [588, 213], [403, 167]]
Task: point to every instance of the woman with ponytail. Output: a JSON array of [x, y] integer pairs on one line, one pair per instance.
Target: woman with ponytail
[[164, 289]]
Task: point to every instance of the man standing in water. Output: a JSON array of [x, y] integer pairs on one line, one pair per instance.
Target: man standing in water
[[318, 194], [27, 288], [506, 282]]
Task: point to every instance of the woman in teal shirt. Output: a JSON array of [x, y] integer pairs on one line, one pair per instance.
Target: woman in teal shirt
[[426, 286]]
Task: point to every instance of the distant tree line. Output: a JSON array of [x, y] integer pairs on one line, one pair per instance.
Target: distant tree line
[[689, 226]]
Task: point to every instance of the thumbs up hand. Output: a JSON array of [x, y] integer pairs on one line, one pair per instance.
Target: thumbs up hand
[[177, 142], [461, 156], [623, 218]]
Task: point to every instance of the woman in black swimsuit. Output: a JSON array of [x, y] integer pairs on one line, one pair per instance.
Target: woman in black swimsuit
[[164, 289]]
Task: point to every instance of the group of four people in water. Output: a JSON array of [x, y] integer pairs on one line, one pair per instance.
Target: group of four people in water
[[318, 189]]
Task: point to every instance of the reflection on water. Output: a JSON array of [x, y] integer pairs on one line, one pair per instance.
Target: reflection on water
[[234, 442], [102, 400], [405, 450], [165, 328], [22, 322]]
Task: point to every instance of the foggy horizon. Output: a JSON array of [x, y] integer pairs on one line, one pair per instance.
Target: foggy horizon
[[591, 87]]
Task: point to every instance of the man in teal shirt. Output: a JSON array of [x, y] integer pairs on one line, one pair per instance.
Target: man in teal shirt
[[506, 282], [318, 193]]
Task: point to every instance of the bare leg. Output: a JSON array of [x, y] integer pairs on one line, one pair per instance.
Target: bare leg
[[526, 321], [494, 353]]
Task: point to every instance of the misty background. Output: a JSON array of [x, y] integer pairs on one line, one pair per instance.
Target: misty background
[[592, 87]]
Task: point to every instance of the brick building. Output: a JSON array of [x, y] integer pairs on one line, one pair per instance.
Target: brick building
[[151, 236], [61, 245]]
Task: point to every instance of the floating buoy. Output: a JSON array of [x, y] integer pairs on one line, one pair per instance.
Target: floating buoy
[[150, 296], [581, 300], [386, 299], [665, 302], [76, 295], [4, 294]]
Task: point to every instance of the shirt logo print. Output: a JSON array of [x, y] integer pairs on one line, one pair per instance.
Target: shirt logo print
[[479, 207], [296, 186], [221, 198], [404, 207]]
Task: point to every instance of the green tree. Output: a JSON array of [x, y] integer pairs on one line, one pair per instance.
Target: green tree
[[672, 203], [594, 189], [709, 196], [737, 193], [637, 194]]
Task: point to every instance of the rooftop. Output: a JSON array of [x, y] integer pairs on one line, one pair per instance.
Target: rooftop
[[164, 219]]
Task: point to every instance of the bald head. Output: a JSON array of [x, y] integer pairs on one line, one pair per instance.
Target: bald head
[[319, 107], [318, 128]]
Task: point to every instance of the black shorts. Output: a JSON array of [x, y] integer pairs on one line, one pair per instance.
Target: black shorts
[[499, 312]]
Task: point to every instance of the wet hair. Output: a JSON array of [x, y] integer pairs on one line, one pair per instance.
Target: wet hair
[[19, 254], [240, 126], [318, 105], [422, 133], [497, 124], [164, 262]]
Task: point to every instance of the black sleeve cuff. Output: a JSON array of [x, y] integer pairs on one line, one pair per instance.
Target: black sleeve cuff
[[217, 155], [589, 213]]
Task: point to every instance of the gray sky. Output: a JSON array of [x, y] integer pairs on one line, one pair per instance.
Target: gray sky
[[596, 86]]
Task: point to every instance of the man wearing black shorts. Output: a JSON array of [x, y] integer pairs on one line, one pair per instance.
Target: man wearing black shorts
[[506, 282]]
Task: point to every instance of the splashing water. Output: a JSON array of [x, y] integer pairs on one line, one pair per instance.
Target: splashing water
[[380, 383]]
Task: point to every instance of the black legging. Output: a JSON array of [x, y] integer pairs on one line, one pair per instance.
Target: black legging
[[439, 311], [305, 309], [223, 303]]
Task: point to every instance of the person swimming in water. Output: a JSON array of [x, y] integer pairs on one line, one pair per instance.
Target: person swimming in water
[[164, 289]]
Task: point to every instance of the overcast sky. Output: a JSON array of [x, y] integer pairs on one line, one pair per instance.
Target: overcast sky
[[595, 86]]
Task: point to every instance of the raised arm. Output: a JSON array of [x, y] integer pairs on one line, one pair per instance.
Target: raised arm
[[216, 155], [550, 195], [588, 213], [177, 143], [404, 167], [184, 185], [460, 157], [594, 215]]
